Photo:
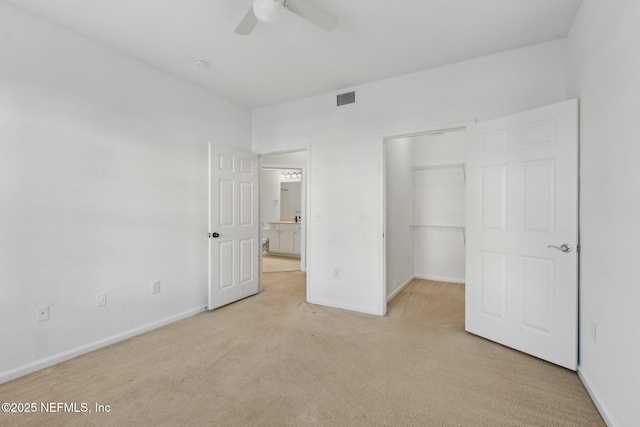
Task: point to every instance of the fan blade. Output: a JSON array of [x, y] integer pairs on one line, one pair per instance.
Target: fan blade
[[247, 24], [312, 14]]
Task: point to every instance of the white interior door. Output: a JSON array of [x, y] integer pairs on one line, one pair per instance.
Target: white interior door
[[234, 228], [522, 197]]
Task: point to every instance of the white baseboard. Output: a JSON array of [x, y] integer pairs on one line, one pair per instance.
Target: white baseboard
[[397, 291], [440, 278], [333, 304], [605, 413], [284, 254], [78, 351]]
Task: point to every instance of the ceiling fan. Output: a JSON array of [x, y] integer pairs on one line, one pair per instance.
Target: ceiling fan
[[267, 11]]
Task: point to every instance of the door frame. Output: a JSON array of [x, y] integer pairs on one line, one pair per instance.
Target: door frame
[[406, 133], [305, 208]]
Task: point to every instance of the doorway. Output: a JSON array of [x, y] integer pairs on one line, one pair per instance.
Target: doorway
[[283, 207], [281, 201], [425, 208]]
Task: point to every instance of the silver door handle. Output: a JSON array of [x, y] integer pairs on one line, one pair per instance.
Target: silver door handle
[[563, 248]]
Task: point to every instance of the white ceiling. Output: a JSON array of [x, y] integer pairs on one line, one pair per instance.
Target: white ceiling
[[292, 58]]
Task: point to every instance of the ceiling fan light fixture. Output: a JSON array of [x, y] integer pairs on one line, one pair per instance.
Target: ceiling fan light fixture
[[266, 10]]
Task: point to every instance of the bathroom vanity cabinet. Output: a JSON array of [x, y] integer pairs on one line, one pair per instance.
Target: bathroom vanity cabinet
[[284, 238]]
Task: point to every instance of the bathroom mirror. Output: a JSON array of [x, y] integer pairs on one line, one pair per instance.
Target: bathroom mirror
[[290, 200]]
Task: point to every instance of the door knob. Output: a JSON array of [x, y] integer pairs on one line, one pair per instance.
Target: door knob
[[214, 235], [563, 248]]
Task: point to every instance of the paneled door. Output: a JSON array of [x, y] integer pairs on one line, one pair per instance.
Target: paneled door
[[234, 230], [522, 232]]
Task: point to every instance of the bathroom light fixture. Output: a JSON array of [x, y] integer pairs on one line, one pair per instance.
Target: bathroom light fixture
[[292, 175], [266, 10]]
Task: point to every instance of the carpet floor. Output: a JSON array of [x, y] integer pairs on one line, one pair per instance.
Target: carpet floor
[[275, 263], [274, 360]]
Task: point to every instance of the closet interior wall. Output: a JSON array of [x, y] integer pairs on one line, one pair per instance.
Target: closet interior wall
[[425, 203]]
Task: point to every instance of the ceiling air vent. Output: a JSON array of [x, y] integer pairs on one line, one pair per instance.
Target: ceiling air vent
[[346, 98]]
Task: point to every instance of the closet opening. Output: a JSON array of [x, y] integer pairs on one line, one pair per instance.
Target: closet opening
[[425, 208]]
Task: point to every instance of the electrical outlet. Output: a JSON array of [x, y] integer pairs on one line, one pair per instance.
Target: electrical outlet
[[43, 313], [592, 331], [101, 299], [336, 273], [155, 287]]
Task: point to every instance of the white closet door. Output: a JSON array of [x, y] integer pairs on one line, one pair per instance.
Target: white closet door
[[522, 197]]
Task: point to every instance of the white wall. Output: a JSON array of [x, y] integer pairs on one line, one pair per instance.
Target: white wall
[[103, 188], [604, 72], [439, 200], [295, 158], [346, 179], [399, 214]]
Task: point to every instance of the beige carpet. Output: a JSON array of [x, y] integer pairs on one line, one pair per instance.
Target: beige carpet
[[274, 360], [274, 263]]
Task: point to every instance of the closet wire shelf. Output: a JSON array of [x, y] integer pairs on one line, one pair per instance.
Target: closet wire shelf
[[443, 166]]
